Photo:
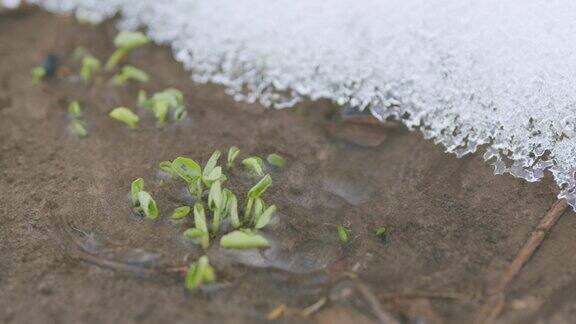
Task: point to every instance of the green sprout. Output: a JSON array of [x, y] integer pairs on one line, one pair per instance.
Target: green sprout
[[90, 66], [264, 217], [148, 205], [74, 110], [126, 116], [130, 73], [381, 233], [200, 272], [217, 204], [232, 207], [79, 128], [135, 188], [124, 42], [243, 239], [254, 165], [200, 232], [142, 99], [180, 213], [254, 193], [166, 167], [191, 172], [38, 74], [276, 160], [233, 153], [162, 102], [343, 234], [212, 172]]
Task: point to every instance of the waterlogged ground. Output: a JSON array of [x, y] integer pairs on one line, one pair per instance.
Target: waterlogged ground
[[70, 250]]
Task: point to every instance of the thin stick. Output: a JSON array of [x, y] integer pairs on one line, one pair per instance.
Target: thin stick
[[494, 304]]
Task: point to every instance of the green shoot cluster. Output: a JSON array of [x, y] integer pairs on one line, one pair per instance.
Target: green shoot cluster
[[129, 73], [169, 102], [124, 42], [78, 125], [142, 201]]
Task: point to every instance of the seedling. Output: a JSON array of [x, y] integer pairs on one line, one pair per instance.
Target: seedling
[[162, 102], [254, 193], [200, 272], [74, 110], [130, 73], [200, 232], [254, 165], [79, 128], [191, 172], [264, 218], [232, 207], [90, 66], [180, 213], [135, 188], [216, 204], [148, 205], [233, 153], [276, 160], [243, 239], [166, 167], [124, 42], [381, 233], [212, 172], [38, 74], [126, 116], [343, 234]]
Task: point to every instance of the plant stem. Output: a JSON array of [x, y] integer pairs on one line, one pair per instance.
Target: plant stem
[[216, 221], [115, 58], [248, 210]]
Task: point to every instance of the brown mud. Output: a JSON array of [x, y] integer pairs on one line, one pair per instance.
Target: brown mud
[[70, 250]]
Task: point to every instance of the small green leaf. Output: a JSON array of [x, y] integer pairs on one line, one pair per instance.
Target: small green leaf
[[180, 212], [200, 223], [211, 164], [160, 109], [142, 99], [265, 217], [242, 239], [381, 233], [254, 165], [126, 116], [276, 160], [259, 207], [130, 39], [215, 196], [38, 73], [260, 187], [90, 65], [343, 234], [187, 169], [74, 109], [135, 188], [233, 153], [197, 273], [232, 208], [214, 175], [79, 128], [166, 166], [209, 274], [130, 73], [148, 205]]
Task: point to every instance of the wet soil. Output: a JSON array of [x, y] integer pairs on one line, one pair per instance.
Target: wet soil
[[71, 251]]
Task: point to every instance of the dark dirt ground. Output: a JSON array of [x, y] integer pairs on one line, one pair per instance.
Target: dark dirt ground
[[454, 226]]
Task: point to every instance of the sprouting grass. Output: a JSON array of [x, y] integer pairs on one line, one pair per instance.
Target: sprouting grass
[[74, 110], [343, 234], [255, 193], [90, 66], [130, 73], [243, 239], [254, 165], [135, 188], [191, 172], [200, 272], [38, 74], [232, 207], [276, 160], [148, 205], [180, 213], [77, 123], [200, 232], [233, 153], [126, 116], [124, 42], [163, 102]]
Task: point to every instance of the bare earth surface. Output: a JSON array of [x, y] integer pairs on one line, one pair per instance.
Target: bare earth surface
[[71, 252]]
